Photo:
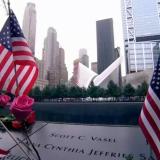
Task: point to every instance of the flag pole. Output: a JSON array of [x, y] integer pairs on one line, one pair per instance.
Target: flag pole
[[14, 139], [3, 125], [9, 13]]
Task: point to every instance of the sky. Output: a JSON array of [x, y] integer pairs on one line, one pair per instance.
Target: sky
[[75, 23]]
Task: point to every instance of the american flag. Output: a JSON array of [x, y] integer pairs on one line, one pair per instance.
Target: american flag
[[18, 69], [149, 119], [3, 153]]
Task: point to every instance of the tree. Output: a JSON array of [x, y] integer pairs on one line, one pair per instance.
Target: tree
[[75, 92], [61, 91], [128, 90], [142, 89], [84, 92], [92, 91], [113, 90], [46, 93], [37, 94]]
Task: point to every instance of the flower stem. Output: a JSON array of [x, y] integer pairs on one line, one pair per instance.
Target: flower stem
[[14, 139], [26, 133]]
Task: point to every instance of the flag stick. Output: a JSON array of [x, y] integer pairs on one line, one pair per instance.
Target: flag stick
[[9, 12], [14, 139]]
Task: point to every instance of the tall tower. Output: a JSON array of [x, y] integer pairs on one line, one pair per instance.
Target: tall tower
[[105, 44], [54, 60], [141, 31], [29, 25], [50, 48], [63, 74], [83, 57]]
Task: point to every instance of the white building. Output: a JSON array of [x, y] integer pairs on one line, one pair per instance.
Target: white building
[[29, 25]]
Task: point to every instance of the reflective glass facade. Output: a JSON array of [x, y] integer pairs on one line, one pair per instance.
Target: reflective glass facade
[[141, 30], [105, 44], [142, 56], [146, 18]]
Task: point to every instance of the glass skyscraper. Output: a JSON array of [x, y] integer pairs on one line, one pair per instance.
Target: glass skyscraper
[[105, 44], [141, 28]]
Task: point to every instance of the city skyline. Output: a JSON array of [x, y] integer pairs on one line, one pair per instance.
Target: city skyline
[[75, 23]]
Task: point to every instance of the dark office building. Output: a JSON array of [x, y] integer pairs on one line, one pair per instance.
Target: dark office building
[[105, 44]]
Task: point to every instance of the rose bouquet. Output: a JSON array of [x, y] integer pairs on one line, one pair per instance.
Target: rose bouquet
[[20, 111], [20, 116]]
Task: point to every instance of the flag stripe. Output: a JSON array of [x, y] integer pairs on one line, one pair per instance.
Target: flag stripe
[[6, 75], [21, 48], [151, 121], [4, 61], [10, 76], [15, 77], [5, 66], [152, 113], [14, 39], [19, 43], [155, 98], [23, 62], [150, 129], [22, 57], [149, 138], [20, 77], [153, 104], [22, 53], [3, 53], [28, 80], [27, 89], [16, 83], [23, 79]]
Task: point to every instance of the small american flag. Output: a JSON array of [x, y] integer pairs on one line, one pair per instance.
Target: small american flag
[[3, 153], [18, 69], [149, 119]]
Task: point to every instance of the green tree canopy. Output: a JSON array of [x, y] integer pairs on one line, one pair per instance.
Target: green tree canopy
[[128, 90], [37, 93], [46, 93], [142, 89], [75, 92], [61, 91], [113, 89]]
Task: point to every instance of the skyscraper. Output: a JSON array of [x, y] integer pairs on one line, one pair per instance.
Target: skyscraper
[[105, 44], [83, 57], [29, 25], [54, 60], [51, 50], [63, 78], [141, 29]]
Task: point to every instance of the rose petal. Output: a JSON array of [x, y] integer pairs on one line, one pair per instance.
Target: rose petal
[[31, 118], [22, 107], [16, 124]]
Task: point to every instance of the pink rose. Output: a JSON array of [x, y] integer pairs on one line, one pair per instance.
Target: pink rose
[[22, 107], [4, 99]]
